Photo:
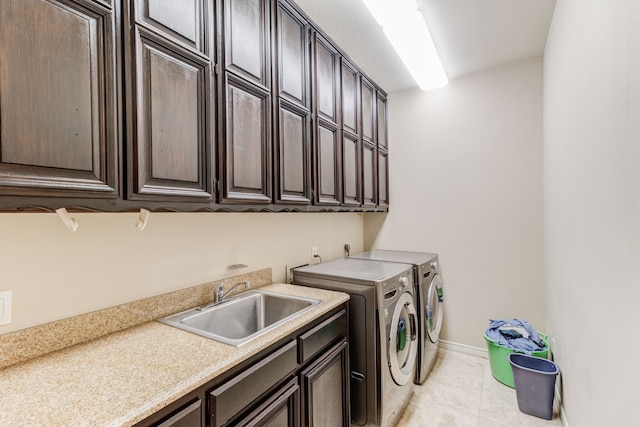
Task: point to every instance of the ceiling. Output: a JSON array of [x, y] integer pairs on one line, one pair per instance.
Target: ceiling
[[470, 35]]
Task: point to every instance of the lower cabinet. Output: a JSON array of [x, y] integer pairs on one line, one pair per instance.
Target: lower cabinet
[[300, 381], [325, 390]]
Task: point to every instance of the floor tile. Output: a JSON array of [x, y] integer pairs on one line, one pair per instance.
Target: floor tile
[[461, 392]]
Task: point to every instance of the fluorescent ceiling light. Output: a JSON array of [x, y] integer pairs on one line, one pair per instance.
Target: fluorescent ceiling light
[[405, 28]]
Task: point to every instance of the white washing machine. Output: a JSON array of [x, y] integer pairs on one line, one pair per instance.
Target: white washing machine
[[383, 333], [429, 300]]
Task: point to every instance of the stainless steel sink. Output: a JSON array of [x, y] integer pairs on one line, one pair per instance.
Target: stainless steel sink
[[242, 318]]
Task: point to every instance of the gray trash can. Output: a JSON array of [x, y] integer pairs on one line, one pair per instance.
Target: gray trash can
[[534, 379]]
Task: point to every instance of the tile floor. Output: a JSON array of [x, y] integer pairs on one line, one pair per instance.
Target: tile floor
[[460, 392]]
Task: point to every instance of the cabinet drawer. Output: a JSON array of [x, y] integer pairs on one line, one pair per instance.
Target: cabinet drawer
[[321, 336], [188, 416], [230, 398]]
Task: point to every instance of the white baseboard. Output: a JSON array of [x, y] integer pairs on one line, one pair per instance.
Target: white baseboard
[[463, 348]]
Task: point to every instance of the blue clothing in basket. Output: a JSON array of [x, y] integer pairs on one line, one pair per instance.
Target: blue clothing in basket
[[515, 334]]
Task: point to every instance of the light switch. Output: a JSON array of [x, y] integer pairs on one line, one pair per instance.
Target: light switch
[[5, 307]]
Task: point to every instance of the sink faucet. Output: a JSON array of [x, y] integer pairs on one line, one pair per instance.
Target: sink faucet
[[221, 294]]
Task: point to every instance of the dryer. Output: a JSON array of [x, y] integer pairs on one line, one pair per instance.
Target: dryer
[[383, 333], [429, 300]]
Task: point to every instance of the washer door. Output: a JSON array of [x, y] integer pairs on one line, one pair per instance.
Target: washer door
[[403, 345], [433, 310]]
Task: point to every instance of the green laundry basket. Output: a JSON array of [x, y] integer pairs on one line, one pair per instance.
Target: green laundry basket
[[499, 359]]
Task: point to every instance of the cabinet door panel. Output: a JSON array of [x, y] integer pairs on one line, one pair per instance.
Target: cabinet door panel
[[350, 170], [349, 98], [327, 167], [247, 160], [247, 39], [368, 110], [326, 80], [383, 179], [382, 122], [293, 66], [57, 105], [369, 175], [326, 390], [181, 20], [294, 155], [171, 144]]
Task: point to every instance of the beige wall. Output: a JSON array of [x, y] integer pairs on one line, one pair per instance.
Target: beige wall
[[592, 206], [466, 182], [55, 273]]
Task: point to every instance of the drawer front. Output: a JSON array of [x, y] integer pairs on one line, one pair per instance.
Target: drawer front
[[233, 396], [189, 416], [318, 338]]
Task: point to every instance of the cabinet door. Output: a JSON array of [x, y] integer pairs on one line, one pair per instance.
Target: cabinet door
[[383, 179], [367, 93], [183, 21], [351, 169], [382, 122], [350, 97], [325, 394], [247, 40], [293, 155], [58, 114], [325, 79], [293, 132], [280, 410], [247, 144], [369, 174], [327, 151], [170, 152]]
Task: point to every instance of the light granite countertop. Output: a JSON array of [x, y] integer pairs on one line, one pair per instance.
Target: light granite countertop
[[121, 378]]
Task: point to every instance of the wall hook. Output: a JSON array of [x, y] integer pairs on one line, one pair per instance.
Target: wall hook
[[69, 222], [142, 220]]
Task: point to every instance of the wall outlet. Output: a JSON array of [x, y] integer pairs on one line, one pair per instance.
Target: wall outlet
[[314, 252], [5, 307]]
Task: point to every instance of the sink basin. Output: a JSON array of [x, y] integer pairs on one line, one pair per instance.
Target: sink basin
[[241, 318]]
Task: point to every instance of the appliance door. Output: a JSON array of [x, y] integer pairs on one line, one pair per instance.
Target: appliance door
[[433, 310], [403, 343]]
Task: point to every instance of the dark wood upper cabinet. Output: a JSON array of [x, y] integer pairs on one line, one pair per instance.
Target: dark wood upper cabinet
[[293, 131], [326, 76], [368, 109], [327, 164], [246, 165], [246, 119], [247, 40], [381, 113], [369, 175], [58, 111], [169, 154], [351, 170], [292, 51], [327, 157], [170, 93], [181, 20], [383, 179], [350, 97], [351, 143]]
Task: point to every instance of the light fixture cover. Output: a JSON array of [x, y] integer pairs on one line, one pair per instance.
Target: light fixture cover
[[404, 26]]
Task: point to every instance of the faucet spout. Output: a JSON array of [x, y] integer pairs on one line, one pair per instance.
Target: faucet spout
[[221, 294]]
